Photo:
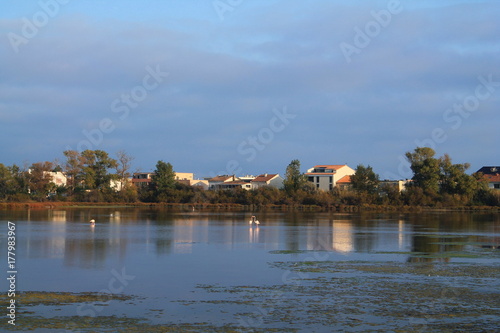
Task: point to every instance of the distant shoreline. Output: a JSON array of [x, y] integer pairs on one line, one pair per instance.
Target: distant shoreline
[[239, 207]]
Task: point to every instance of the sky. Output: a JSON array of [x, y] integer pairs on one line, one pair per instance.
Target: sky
[[246, 86]]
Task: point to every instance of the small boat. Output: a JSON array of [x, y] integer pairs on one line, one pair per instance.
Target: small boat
[[253, 220]]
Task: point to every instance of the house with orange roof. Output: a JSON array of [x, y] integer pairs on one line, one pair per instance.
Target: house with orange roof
[[326, 176], [267, 179], [492, 176], [493, 181], [344, 182]]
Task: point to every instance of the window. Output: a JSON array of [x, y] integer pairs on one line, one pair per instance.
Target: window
[[317, 179], [331, 179], [496, 186]]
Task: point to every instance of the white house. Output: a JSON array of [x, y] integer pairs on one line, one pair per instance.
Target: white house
[[58, 178], [225, 182], [142, 179], [273, 180], [400, 185], [119, 185], [325, 177], [202, 184]]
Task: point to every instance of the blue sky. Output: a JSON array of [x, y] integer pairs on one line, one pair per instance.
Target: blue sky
[[246, 86]]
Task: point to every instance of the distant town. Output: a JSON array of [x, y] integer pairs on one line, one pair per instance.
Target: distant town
[[93, 176]]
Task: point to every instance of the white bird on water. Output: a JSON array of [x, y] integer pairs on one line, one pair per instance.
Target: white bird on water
[[253, 219], [92, 222]]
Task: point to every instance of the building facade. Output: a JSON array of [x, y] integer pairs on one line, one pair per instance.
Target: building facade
[[273, 180], [492, 176], [325, 177]]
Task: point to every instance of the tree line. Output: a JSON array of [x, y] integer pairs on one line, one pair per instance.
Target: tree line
[[95, 176]]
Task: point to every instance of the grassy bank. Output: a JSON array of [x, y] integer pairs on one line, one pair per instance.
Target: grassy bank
[[239, 207]]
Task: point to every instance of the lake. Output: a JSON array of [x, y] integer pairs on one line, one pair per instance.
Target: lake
[[157, 270]]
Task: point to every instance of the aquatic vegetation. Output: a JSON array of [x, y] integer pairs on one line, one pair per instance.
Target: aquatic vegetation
[[385, 296], [32, 298], [345, 295]]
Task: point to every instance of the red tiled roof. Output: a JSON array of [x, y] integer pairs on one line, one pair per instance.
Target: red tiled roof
[[492, 178], [345, 180], [264, 177]]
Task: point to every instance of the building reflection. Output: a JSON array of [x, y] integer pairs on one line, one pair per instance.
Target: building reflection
[[342, 236], [118, 233], [253, 234]]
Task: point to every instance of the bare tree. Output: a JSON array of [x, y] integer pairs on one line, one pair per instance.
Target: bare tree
[[123, 167]]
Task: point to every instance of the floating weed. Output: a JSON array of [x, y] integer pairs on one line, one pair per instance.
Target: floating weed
[[344, 296], [441, 236], [33, 298], [464, 243], [287, 251], [399, 252], [118, 324], [448, 255]]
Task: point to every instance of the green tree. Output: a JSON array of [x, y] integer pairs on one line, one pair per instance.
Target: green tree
[[163, 180], [454, 180], [294, 180], [20, 184], [365, 180], [96, 169], [426, 170], [389, 195], [7, 183], [40, 180]]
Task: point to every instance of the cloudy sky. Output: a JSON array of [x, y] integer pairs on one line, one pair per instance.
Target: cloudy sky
[[245, 86]]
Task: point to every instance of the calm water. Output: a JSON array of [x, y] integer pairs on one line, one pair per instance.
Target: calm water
[[170, 260]]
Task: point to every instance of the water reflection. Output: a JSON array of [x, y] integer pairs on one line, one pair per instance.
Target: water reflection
[[65, 234], [253, 234], [342, 236], [436, 236]]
